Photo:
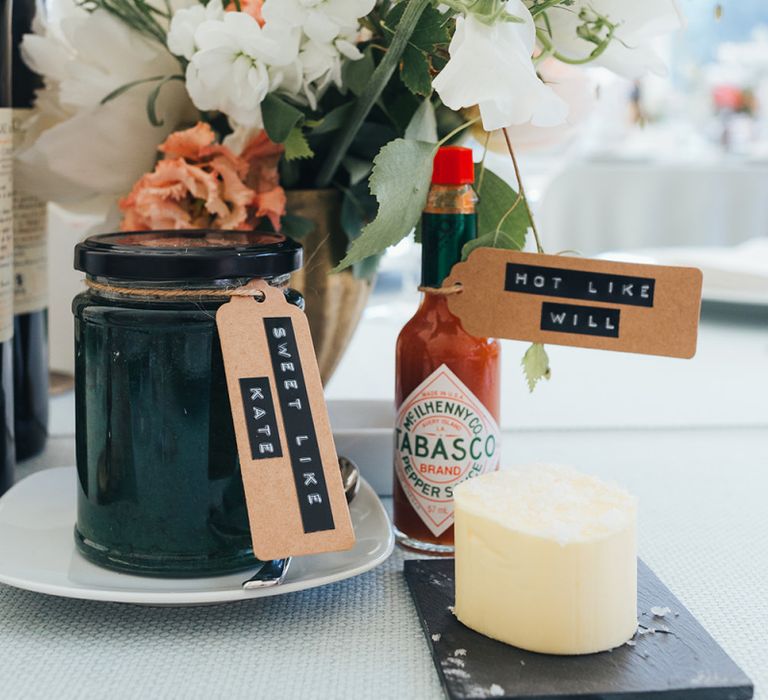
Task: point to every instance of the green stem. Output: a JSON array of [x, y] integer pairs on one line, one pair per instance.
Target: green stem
[[372, 91], [521, 192], [481, 174], [457, 130], [507, 214], [544, 6], [124, 88], [599, 51]]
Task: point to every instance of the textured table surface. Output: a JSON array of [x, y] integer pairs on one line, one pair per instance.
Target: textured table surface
[[724, 385], [704, 531]]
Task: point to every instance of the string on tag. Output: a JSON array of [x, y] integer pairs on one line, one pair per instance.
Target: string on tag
[[443, 291], [245, 290]]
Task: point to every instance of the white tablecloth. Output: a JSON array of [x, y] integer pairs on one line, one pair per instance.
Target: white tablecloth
[[726, 384], [704, 530]]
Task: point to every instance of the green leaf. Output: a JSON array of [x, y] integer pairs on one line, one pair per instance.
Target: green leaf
[[431, 29], [502, 219], [334, 119], [358, 208], [279, 117], [366, 269], [370, 139], [414, 71], [296, 145], [536, 365], [357, 74], [400, 107], [296, 227], [152, 99], [290, 173], [423, 124], [400, 182], [357, 168]]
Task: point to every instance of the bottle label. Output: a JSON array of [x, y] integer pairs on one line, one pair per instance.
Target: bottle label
[[30, 262], [443, 436], [6, 224]]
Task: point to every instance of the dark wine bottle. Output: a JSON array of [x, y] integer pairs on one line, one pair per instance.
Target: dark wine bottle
[[30, 337], [7, 456]]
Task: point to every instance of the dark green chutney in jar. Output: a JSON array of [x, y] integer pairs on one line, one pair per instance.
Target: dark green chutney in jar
[[159, 485]]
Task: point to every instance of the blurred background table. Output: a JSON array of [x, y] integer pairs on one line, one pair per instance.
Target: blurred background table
[[596, 204]]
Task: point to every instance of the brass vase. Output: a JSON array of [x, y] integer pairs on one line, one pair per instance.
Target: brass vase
[[335, 301]]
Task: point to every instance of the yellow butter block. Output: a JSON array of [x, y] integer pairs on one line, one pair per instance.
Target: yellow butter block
[[546, 560]]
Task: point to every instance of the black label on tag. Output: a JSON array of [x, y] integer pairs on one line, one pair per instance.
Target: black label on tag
[[584, 320], [300, 435], [260, 418], [578, 284]]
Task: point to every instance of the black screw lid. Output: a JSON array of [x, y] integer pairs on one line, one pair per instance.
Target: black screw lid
[[156, 256]]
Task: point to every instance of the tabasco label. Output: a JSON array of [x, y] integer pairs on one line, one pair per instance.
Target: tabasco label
[[443, 436]]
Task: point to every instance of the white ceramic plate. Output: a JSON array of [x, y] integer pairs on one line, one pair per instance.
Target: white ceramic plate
[[37, 552]]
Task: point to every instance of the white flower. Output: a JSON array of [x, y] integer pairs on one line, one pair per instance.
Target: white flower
[[321, 64], [491, 66], [574, 87], [77, 149], [238, 63], [321, 20], [630, 54], [181, 35]]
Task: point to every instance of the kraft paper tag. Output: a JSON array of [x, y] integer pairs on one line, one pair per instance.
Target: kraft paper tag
[[558, 300], [293, 487]]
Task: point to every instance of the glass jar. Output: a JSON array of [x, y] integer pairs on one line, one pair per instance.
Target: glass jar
[[160, 491]]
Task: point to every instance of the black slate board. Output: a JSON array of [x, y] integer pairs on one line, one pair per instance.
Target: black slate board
[[683, 662]]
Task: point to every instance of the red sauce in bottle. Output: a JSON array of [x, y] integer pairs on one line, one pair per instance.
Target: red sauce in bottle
[[447, 381]]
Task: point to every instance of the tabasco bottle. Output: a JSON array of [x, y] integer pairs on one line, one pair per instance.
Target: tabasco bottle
[[447, 381]]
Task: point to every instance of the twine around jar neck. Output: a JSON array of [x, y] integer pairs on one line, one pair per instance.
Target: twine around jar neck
[[246, 290]]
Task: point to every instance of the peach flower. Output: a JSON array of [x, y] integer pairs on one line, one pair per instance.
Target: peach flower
[[263, 156], [250, 7], [202, 184]]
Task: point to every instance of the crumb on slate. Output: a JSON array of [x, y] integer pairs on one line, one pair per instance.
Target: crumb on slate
[[496, 691], [456, 673], [658, 611], [460, 652], [436, 637]]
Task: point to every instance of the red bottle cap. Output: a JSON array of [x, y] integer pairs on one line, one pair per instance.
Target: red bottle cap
[[453, 166]]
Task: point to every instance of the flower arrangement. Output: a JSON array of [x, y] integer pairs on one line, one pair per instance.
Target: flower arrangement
[[244, 99]]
